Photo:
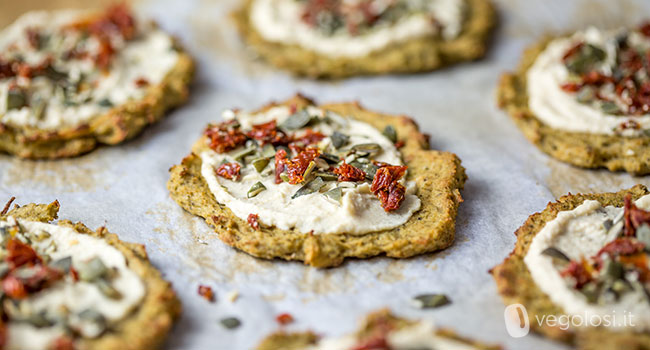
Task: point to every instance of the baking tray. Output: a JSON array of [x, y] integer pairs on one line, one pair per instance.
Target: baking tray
[[123, 187]]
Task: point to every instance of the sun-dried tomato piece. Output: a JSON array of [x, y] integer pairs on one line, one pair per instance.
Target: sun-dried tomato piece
[[62, 343], [229, 170], [268, 133], [596, 78], [622, 246], [578, 271], [141, 82], [206, 292], [225, 136], [377, 338], [253, 220], [19, 254], [570, 87], [387, 189], [296, 166], [284, 318], [634, 216], [33, 37], [104, 54], [309, 138], [347, 172], [280, 157], [116, 19], [630, 124]]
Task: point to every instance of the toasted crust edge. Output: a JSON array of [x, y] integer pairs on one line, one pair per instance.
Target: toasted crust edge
[[302, 340], [118, 124], [415, 55], [516, 286], [148, 325], [439, 177], [580, 149]]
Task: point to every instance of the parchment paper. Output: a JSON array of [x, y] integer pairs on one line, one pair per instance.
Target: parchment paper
[[123, 187]]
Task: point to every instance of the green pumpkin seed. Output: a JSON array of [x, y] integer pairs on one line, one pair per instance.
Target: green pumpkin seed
[[586, 94], [255, 189], [326, 176], [390, 133], [55, 75], [334, 194], [107, 289], [105, 103], [297, 120], [95, 320], [591, 292], [430, 301], [38, 107], [243, 153], [284, 177], [260, 164], [268, 151], [38, 320], [339, 140], [555, 253], [16, 99], [310, 187], [330, 158], [612, 270], [367, 167], [309, 170], [609, 107], [643, 235], [92, 270], [370, 148], [230, 322], [62, 264], [586, 59]]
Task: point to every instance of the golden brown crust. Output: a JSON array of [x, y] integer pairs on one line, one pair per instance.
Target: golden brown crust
[[438, 175], [148, 325], [415, 55], [380, 318], [516, 286], [586, 150], [119, 124]]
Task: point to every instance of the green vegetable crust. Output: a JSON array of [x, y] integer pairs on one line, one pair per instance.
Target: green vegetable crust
[[631, 154], [438, 175], [515, 284], [147, 326], [118, 124], [415, 55]]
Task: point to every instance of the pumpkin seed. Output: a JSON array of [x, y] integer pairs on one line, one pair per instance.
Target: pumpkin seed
[[243, 153], [326, 176], [268, 151], [310, 187], [255, 189], [643, 235], [585, 94], [555, 253], [609, 107], [92, 270], [585, 60], [334, 194], [370, 148], [612, 270], [339, 140], [230, 322], [105, 102], [38, 107], [284, 177], [368, 168], [38, 320], [330, 158], [55, 75], [607, 224], [591, 292], [95, 323], [107, 289], [390, 133], [260, 164], [16, 99], [297, 120], [430, 301], [62, 264], [310, 168]]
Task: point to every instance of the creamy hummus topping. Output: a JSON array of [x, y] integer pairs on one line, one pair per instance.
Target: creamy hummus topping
[[320, 202], [587, 262], [65, 281], [594, 82], [355, 28], [61, 69], [419, 335]]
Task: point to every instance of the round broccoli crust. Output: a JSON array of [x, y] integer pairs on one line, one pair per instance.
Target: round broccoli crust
[[410, 56], [516, 285], [147, 326], [120, 123], [439, 177], [614, 152]]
